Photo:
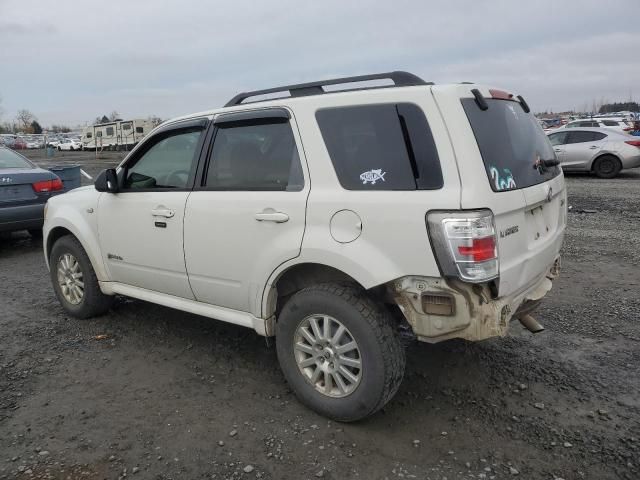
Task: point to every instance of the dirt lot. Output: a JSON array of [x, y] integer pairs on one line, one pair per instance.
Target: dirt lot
[[167, 395]]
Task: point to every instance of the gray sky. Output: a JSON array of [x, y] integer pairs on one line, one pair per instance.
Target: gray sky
[[70, 61]]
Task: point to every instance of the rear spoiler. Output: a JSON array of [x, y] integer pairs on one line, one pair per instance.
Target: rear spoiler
[[499, 94]]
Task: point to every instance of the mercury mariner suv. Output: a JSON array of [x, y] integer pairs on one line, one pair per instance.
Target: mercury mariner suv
[[332, 216]]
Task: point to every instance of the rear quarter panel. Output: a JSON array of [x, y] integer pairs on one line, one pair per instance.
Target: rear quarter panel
[[394, 241]]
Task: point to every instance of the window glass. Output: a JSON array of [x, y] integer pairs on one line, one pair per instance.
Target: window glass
[[9, 159], [99, 133], [109, 131], [583, 136], [381, 147], [558, 138], [610, 123], [89, 135], [126, 126], [511, 143], [139, 130], [255, 155], [167, 164]]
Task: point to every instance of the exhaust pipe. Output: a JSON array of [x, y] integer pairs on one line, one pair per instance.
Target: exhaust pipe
[[530, 323]]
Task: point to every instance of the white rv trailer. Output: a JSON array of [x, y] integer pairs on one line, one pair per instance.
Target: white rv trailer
[[116, 135]]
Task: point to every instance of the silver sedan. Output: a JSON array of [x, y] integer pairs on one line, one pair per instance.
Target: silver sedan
[[601, 151]]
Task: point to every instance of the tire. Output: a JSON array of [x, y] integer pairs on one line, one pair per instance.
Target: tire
[[35, 233], [379, 351], [607, 166], [59, 149], [92, 302]]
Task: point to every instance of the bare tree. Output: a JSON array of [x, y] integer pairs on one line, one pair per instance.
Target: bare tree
[[113, 116], [155, 120], [25, 117]]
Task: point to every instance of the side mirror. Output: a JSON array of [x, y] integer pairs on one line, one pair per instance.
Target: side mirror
[[107, 181]]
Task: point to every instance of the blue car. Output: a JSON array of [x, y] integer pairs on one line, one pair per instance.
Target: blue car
[[24, 190]]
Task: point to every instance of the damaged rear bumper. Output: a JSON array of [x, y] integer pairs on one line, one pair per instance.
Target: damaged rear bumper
[[439, 310]]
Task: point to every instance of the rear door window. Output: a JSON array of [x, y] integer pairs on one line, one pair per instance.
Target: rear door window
[[259, 154], [511, 143], [381, 147], [610, 123], [583, 137]]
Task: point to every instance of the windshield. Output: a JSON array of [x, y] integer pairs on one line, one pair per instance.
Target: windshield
[[9, 159], [512, 144]]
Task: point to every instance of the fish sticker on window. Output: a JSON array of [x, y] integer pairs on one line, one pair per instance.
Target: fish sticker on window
[[372, 176], [504, 181]]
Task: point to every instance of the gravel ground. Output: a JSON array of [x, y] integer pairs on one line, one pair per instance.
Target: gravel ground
[[150, 392]]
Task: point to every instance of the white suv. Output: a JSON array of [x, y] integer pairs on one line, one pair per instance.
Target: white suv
[[330, 220]]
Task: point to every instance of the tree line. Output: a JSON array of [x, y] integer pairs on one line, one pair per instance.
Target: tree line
[[619, 107], [26, 122]]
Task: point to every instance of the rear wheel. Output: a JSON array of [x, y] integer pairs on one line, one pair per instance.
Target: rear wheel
[[607, 166], [339, 352], [74, 280]]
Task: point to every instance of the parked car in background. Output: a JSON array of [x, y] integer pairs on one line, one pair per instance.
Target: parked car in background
[[19, 144], [70, 144], [601, 151], [8, 140], [33, 143], [613, 124], [24, 191], [54, 142]]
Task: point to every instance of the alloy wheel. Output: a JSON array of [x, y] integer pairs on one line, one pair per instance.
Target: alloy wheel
[[327, 355], [70, 279]]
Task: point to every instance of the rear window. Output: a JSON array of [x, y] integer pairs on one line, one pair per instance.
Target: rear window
[[381, 147], [511, 143], [8, 159]]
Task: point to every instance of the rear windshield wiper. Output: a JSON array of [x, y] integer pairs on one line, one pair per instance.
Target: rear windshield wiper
[[543, 164], [550, 162]]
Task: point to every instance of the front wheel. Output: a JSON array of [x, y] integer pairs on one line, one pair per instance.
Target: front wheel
[[74, 280], [339, 352]]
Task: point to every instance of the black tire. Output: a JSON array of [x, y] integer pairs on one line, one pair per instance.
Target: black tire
[[94, 302], [35, 232], [607, 166], [59, 149], [370, 325]]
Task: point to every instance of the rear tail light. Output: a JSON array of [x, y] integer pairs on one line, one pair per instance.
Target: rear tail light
[[44, 186], [628, 129], [465, 244], [635, 143]]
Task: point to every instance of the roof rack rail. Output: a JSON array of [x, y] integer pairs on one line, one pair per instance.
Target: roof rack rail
[[399, 78]]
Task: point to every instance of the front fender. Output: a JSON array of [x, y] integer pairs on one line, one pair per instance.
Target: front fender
[[77, 215]]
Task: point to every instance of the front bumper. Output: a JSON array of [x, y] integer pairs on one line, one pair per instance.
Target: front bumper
[[474, 314], [24, 217]]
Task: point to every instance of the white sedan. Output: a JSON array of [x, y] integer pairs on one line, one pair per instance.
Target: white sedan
[[70, 144]]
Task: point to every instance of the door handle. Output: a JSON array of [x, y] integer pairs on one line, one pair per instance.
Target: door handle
[[593, 147], [162, 212], [557, 150], [271, 216]]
